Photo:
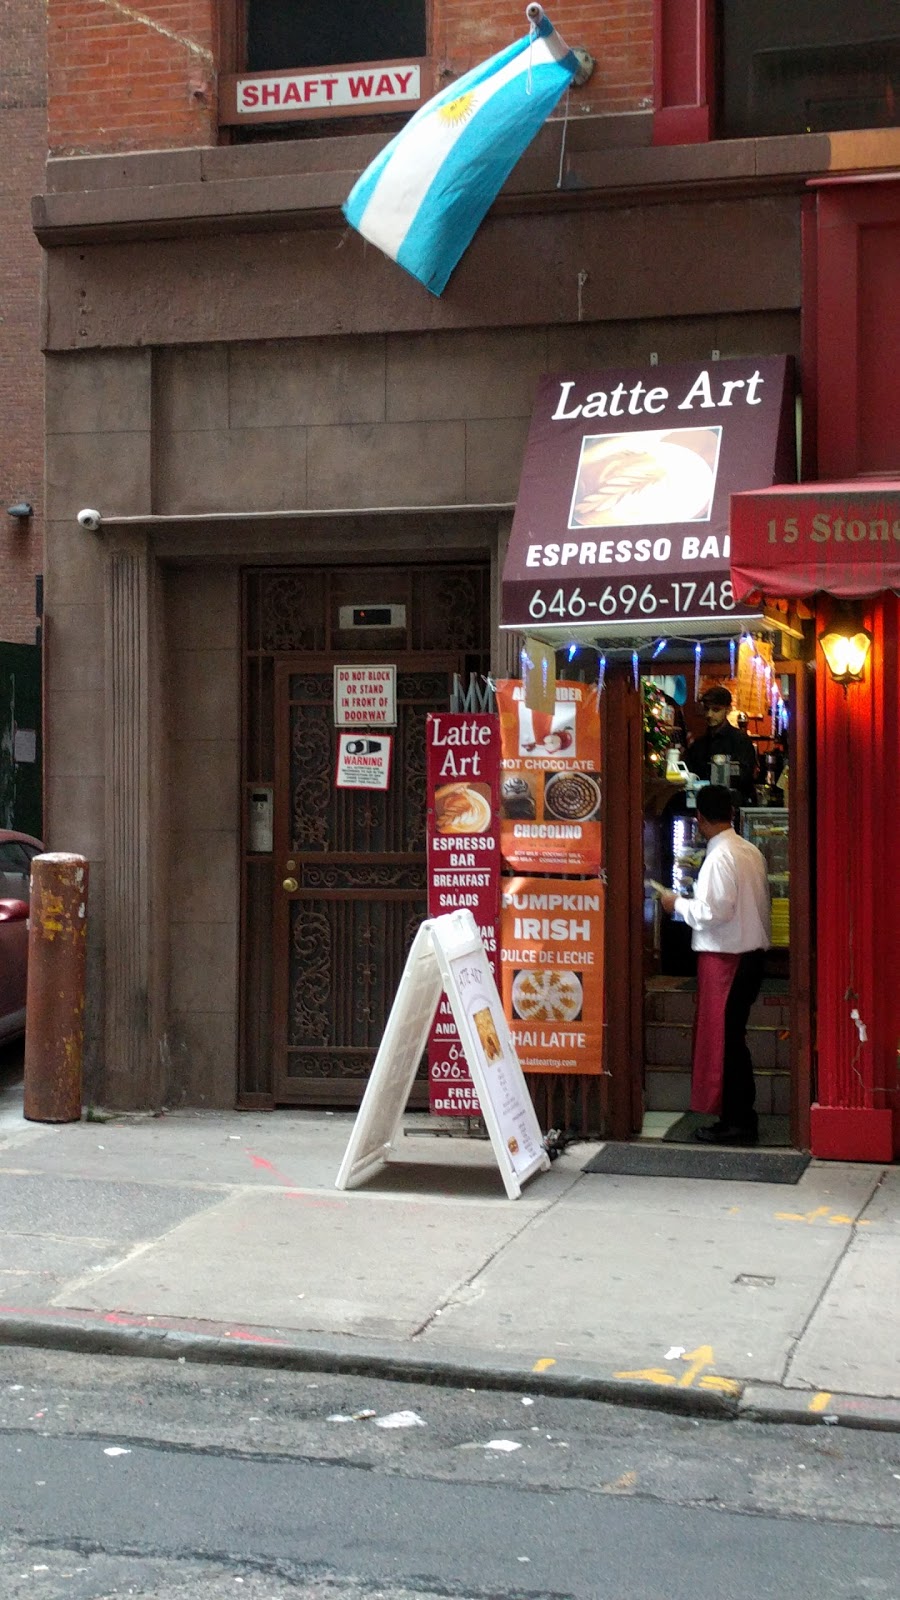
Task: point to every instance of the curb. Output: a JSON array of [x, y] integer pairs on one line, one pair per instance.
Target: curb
[[157, 1338], [162, 1339], [770, 1403]]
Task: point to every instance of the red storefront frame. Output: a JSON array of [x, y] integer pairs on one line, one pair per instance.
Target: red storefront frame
[[858, 922], [852, 416], [851, 357], [683, 71], [852, 331], [858, 778]]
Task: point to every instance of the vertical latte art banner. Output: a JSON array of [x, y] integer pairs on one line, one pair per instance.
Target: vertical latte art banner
[[550, 791], [463, 774]]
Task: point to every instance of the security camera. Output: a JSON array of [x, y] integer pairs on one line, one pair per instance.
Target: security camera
[[90, 520]]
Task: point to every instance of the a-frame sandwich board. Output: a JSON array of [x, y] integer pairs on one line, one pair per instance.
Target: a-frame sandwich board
[[447, 955]]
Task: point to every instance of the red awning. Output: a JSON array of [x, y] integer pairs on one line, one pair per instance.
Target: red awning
[[798, 539]]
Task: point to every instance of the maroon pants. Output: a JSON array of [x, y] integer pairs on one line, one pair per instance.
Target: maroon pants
[[722, 1072]]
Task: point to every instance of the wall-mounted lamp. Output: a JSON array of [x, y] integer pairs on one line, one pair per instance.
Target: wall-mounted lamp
[[846, 646], [21, 511]]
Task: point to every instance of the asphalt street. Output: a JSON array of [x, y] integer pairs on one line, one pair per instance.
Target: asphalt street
[[131, 1478]]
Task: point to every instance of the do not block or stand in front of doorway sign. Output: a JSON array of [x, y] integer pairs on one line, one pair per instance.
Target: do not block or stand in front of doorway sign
[[447, 955]]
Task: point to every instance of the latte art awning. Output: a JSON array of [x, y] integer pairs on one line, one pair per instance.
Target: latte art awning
[[621, 521]]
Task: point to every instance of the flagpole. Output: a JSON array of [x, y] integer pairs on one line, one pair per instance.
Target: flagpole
[[554, 41]]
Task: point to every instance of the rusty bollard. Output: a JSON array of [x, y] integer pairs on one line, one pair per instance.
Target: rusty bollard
[[54, 1021]]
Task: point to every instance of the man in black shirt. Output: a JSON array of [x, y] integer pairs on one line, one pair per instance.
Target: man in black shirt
[[723, 739]]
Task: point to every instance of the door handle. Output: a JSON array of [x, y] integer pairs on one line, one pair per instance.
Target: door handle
[[290, 884]]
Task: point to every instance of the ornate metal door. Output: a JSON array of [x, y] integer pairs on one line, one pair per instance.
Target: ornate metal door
[[350, 888]]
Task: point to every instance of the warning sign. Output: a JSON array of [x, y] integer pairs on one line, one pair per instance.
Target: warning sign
[[364, 760], [365, 697]]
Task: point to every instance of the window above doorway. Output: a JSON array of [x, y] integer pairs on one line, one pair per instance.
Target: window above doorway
[[299, 33], [294, 61]]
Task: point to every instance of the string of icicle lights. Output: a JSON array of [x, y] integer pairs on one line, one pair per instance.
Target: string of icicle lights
[[774, 699]]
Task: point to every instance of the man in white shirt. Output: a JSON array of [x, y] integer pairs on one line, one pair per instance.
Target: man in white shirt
[[729, 913]]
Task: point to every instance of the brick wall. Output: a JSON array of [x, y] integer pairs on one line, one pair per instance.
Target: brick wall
[[23, 143], [126, 77], [130, 77], [618, 34]]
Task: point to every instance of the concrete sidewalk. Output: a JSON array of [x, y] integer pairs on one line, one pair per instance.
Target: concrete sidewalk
[[221, 1236]]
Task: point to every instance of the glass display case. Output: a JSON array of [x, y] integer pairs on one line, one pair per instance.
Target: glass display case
[[688, 851], [767, 828], [673, 855]]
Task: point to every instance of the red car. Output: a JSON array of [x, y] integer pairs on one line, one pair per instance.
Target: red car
[[16, 853]]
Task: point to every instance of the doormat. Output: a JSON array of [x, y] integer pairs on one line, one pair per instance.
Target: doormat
[[726, 1162], [773, 1131]]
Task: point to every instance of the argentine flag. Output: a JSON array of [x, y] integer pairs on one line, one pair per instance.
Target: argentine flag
[[423, 197]]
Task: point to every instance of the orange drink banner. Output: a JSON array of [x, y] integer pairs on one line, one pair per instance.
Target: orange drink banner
[[551, 937], [550, 795]]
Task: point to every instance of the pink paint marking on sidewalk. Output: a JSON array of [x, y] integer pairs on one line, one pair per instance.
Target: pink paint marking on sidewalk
[[260, 1161], [254, 1338], [291, 1190], [123, 1319], [149, 1321]]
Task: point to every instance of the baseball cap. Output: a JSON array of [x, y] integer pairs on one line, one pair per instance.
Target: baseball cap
[[717, 695]]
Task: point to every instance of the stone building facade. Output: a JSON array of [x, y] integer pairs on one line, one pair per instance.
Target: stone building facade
[[23, 132], [275, 424]]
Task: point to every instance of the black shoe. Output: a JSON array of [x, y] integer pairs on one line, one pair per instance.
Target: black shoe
[[724, 1133]]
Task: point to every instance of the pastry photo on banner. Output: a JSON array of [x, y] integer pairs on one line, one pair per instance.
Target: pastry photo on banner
[[550, 785]]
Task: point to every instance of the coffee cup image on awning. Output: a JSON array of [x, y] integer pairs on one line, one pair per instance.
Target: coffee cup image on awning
[[651, 477]]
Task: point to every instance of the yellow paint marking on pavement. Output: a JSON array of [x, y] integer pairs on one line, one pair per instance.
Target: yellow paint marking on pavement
[[697, 1362], [648, 1375], [544, 1363], [622, 1485], [820, 1401], [835, 1219], [720, 1385], [698, 1359]]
